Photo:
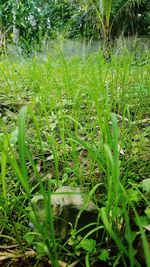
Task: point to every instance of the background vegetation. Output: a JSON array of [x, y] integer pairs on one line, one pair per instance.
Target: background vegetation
[[32, 21], [74, 120]]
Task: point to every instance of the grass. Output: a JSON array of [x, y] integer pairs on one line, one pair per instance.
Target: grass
[[81, 122]]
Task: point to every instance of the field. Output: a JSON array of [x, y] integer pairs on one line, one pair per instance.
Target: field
[[83, 123]]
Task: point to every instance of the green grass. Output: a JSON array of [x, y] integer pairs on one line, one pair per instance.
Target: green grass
[[78, 122]]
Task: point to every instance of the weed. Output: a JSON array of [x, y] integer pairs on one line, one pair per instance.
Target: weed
[[79, 122]]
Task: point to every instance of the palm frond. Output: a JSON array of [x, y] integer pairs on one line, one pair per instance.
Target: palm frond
[[119, 6], [107, 10]]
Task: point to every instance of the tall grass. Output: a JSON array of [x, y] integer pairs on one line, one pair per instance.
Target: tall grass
[[74, 117]]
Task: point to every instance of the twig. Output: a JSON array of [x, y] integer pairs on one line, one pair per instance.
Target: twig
[[8, 247]]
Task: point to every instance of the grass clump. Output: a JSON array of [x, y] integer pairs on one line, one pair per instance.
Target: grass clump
[[79, 122]]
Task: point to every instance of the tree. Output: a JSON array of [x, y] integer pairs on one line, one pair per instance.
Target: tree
[[32, 20], [108, 11], [29, 21]]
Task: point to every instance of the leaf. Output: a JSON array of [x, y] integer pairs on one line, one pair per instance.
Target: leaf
[[89, 245], [141, 221], [21, 140], [29, 237], [41, 248], [134, 195], [130, 236], [104, 255], [147, 212], [145, 184]]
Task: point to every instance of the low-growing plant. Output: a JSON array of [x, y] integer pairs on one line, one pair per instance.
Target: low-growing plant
[[79, 122]]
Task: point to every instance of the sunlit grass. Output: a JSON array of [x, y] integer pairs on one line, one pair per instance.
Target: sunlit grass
[[75, 121]]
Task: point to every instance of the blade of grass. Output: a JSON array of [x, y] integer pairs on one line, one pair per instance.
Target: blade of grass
[[49, 220], [38, 134], [3, 169], [23, 176], [13, 163], [114, 236], [144, 240], [21, 141]]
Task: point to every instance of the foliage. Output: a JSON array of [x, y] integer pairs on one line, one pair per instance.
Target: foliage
[[77, 121], [108, 12], [40, 20], [36, 19]]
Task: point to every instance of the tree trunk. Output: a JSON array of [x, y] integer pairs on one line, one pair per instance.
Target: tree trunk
[[107, 45], [15, 29]]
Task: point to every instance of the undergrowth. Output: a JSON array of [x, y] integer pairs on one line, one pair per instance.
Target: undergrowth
[[82, 122]]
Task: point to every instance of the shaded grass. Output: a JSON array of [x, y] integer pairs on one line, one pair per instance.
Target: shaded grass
[[79, 122]]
